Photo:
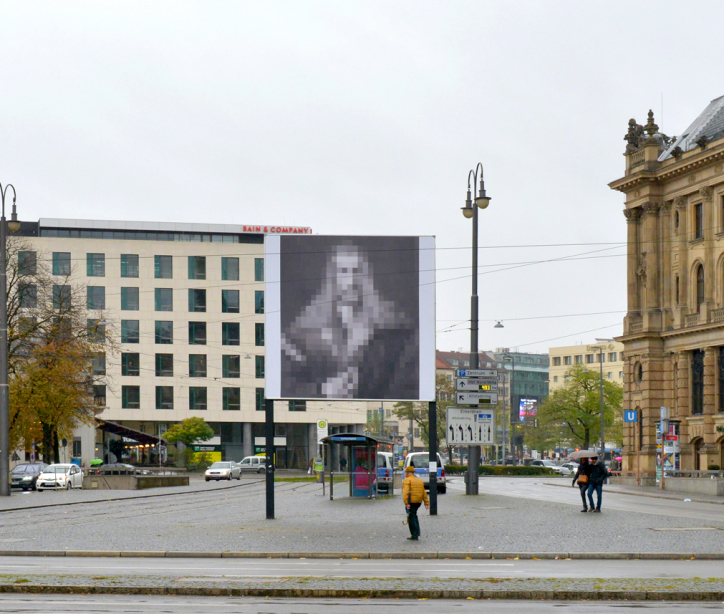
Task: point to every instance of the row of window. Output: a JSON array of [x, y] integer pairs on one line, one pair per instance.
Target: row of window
[[163, 332], [198, 398], [151, 235], [162, 266], [608, 375], [589, 358], [164, 365]]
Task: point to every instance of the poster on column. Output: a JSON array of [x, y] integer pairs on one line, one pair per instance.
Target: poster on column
[[350, 318]]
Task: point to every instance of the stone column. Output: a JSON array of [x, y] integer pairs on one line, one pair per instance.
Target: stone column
[[709, 237], [247, 440], [632, 263], [312, 440], [683, 395], [666, 299], [650, 263], [681, 259], [710, 364]]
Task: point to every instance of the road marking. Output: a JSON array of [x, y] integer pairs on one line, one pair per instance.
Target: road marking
[[687, 529]]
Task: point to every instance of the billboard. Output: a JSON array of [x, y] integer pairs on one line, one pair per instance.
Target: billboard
[[527, 409], [350, 318]]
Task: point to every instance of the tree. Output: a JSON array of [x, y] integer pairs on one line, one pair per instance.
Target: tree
[[576, 407], [189, 431], [419, 412]]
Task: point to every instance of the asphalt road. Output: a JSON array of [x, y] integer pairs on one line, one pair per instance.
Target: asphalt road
[[228, 569], [122, 604]]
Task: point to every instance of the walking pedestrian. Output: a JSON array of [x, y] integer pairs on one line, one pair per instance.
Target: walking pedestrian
[[581, 476], [413, 496], [596, 477]]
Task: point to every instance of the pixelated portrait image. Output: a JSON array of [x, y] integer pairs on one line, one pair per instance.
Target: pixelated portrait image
[[349, 317]]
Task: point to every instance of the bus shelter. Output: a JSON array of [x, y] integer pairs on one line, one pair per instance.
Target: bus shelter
[[360, 455]]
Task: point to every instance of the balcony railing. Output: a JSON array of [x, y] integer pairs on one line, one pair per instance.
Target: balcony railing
[[692, 319], [717, 315], [635, 327]]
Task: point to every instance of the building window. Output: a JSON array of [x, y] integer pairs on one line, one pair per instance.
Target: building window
[[197, 397], [720, 370], [99, 395], [258, 334], [96, 297], [27, 263], [164, 397], [163, 267], [567, 360], [164, 365], [416, 432], [579, 360], [697, 382], [197, 267], [130, 364], [129, 265], [555, 378], [130, 331], [699, 287], [698, 222], [197, 300], [620, 375], [260, 399], [556, 361], [98, 363], [259, 366], [229, 333], [609, 375], [164, 299], [197, 365], [589, 359], [297, 406], [129, 299], [197, 333], [230, 269], [28, 295], [61, 263], [231, 398], [95, 265], [164, 332], [230, 301], [95, 331], [612, 357], [130, 397], [678, 295], [258, 269], [230, 366], [259, 301]]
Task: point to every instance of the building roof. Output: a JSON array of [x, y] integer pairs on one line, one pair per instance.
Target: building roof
[[170, 226], [709, 124], [455, 360]]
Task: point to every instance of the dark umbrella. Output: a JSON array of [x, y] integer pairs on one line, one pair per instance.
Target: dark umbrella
[[583, 454]]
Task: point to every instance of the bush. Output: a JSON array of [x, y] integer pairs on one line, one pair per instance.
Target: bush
[[713, 467], [500, 470]]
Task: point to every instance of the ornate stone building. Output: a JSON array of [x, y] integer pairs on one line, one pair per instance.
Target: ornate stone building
[[674, 329]]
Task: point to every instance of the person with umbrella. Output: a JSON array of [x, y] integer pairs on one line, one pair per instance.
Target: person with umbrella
[[581, 476], [596, 478]]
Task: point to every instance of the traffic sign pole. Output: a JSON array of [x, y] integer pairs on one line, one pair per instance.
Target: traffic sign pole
[[432, 423]]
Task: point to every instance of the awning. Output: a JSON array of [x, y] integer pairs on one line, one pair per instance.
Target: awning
[[356, 439], [129, 433]]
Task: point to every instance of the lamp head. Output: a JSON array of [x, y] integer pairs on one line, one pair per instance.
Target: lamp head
[[14, 222], [468, 208], [499, 324], [482, 200]]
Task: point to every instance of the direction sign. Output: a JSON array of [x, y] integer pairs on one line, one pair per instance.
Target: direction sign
[[476, 398], [630, 415], [477, 373], [468, 425], [479, 384]]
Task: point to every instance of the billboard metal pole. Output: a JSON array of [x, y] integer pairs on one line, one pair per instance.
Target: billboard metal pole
[[432, 421], [269, 432]]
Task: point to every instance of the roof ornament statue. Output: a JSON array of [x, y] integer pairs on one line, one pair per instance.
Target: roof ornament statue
[[651, 127], [633, 136]]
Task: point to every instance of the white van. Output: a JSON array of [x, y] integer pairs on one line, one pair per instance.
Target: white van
[[253, 463], [385, 471], [421, 462]]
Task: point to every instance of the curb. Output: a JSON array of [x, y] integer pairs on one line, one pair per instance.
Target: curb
[[650, 556], [547, 595], [670, 496]]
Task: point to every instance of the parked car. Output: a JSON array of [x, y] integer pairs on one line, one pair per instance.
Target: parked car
[[25, 476], [569, 468], [421, 462], [547, 464], [223, 470], [60, 477], [253, 464], [385, 471]]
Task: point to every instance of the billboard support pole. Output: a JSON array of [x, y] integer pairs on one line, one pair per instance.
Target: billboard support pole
[[432, 421], [269, 432]]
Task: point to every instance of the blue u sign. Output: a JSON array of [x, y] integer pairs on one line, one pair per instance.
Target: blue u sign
[[630, 415]]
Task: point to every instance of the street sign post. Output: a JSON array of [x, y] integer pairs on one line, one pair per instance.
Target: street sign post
[[479, 384], [477, 373], [470, 426], [476, 398]]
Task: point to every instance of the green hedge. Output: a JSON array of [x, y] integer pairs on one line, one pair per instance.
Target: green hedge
[[500, 470]]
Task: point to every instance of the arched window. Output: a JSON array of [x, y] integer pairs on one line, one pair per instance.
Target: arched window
[[697, 382], [677, 297], [699, 286]]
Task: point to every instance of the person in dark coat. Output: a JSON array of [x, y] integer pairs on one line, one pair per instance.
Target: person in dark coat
[[596, 478], [581, 476]]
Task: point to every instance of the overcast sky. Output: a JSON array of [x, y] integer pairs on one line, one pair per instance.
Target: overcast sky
[[365, 118]]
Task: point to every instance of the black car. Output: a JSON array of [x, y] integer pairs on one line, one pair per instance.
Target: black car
[[26, 475]]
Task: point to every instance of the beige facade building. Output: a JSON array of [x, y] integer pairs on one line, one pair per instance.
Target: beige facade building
[[563, 358], [674, 329]]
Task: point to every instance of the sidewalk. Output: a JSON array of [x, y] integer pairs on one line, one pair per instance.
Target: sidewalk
[[653, 492]]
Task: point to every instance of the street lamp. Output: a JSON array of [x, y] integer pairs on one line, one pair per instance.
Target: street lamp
[[510, 386], [482, 200], [600, 360], [13, 225]]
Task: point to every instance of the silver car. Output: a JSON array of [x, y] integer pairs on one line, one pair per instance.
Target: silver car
[[223, 470], [254, 464]]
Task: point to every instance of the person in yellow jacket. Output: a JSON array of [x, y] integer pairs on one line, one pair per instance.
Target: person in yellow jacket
[[413, 495]]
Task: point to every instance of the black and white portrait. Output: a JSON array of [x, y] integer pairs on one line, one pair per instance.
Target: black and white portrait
[[349, 317]]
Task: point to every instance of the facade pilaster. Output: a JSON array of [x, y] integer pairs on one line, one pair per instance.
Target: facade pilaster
[[632, 262], [681, 258], [650, 265], [710, 363], [666, 299]]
